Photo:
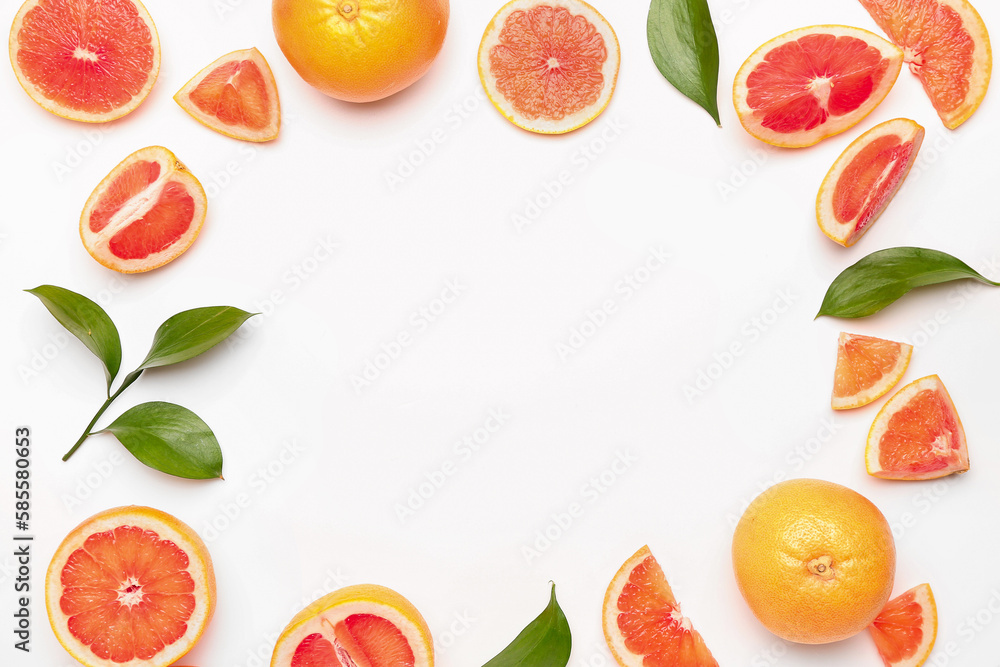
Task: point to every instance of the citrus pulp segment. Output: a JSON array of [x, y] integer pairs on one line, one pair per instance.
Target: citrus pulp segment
[[145, 213], [946, 44], [549, 66], [865, 178], [812, 83], [130, 587], [643, 624], [917, 434], [867, 368], [85, 61], [905, 631], [236, 96], [363, 625]]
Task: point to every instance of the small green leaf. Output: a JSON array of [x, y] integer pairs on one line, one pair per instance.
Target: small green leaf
[[546, 642], [685, 49], [87, 321], [188, 334], [171, 439], [882, 277]]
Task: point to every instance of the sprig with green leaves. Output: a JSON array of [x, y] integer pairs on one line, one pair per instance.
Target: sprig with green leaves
[[545, 642], [163, 436]]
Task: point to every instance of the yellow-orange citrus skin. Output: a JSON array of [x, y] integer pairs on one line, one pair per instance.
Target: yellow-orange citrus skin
[[360, 50], [814, 560]]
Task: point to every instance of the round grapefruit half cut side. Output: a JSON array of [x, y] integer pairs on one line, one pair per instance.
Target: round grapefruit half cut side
[[130, 587], [905, 631], [145, 213], [363, 625], [946, 44], [867, 368], [549, 66], [236, 96], [643, 624], [85, 61], [812, 83], [865, 178], [917, 434]]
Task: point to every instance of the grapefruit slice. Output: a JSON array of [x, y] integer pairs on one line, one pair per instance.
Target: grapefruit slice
[[549, 66], [236, 96], [917, 434], [145, 213], [357, 626], [85, 61], [867, 368], [865, 178], [946, 45], [812, 83], [643, 624], [905, 631], [130, 586]]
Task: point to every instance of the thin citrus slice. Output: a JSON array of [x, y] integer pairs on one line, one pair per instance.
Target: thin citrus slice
[[917, 434], [946, 45], [643, 624], [236, 96], [85, 61], [145, 213], [129, 587], [549, 66], [357, 626], [865, 178], [812, 83], [905, 631], [867, 368]]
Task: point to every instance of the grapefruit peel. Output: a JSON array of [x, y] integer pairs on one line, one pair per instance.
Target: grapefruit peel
[[866, 356]]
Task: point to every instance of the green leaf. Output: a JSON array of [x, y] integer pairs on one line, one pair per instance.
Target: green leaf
[[546, 642], [685, 49], [882, 277], [171, 439], [87, 321], [188, 334]]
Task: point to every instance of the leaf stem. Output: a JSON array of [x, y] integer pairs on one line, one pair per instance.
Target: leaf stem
[[129, 379]]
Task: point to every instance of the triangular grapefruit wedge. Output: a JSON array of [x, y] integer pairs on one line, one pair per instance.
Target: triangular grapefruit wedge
[[867, 368], [905, 631]]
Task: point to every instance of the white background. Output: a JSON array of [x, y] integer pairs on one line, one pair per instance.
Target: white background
[[736, 219]]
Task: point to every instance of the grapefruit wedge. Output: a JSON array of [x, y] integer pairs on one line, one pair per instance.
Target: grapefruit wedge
[[867, 368], [85, 61], [364, 626], [946, 46], [643, 624], [236, 96], [905, 631], [145, 213], [812, 83], [917, 434], [130, 587], [549, 67], [865, 178]]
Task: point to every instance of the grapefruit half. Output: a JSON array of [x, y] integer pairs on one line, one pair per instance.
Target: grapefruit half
[[85, 61], [549, 66], [812, 83], [905, 631], [867, 368], [236, 96], [145, 213], [130, 587]]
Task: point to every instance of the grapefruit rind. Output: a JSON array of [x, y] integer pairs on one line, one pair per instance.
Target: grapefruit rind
[[847, 233], [75, 114], [879, 389], [609, 71], [334, 607], [230, 130], [959, 462], [748, 115], [924, 597], [166, 527]]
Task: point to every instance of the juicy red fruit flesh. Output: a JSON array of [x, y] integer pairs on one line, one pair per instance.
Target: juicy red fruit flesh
[[236, 94], [897, 630], [361, 638], [130, 183], [938, 448], [866, 184]]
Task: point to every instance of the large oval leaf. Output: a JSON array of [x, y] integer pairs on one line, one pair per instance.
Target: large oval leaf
[[189, 333], [545, 642], [171, 439]]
